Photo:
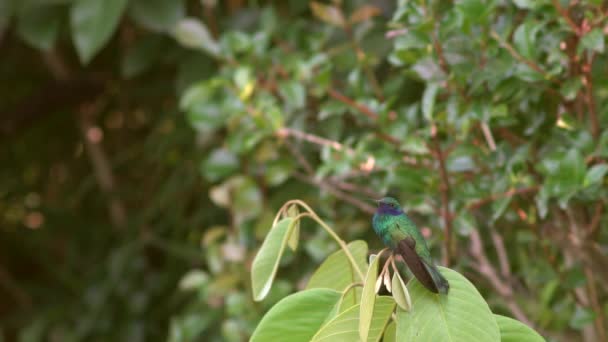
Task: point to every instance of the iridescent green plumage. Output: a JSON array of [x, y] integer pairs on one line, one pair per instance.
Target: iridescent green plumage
[[401, 235]]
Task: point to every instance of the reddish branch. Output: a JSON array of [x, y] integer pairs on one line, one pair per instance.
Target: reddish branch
[[350, 102], [566, 17]]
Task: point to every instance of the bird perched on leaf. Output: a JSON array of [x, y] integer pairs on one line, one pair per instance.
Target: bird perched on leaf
[[401, 235]]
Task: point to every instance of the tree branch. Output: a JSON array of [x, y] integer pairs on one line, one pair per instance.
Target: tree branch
[[101, 163], [501, 286], [444, 188]]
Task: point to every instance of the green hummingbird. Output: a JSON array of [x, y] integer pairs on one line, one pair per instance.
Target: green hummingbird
[[401, 235]]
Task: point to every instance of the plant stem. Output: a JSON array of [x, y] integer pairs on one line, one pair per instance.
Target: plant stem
[[328, 229]]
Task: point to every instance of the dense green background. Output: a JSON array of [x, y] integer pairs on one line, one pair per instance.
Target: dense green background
[[147, 144]]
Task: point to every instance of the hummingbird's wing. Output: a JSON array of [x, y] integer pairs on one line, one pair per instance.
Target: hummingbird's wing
[[427, 274], [407, 249]]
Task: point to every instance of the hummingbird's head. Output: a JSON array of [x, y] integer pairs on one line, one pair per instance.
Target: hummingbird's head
[[389, 205]]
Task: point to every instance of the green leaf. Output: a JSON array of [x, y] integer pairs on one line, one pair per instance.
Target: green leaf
[[415, 145], [157, 15], [247, 202], [336, 271], [92, 23], [390, 333], [368, 299], [294, 237], [515, 331], [38, 26], [571, 87], [296, 317], [266, 261], [344, 327], [220, 163], [293, 93], [581, 317], [400, 292], [594, 40], [462, 315], [428, 100], [595, 175], [525, 38], [192, 33], [142, 55], [565, 177]]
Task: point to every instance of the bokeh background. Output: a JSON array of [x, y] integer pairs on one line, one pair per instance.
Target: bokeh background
[[145, 146]]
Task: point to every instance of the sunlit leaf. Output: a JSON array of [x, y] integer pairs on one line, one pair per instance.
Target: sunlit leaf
[[390, 333], [336, 272], [368, 299], [266, 262], [294, 236], [515, 331], [345, 327], [401, 293], [462, 315], [297, 317]]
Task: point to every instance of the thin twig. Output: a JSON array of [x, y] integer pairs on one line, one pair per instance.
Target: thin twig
[[487, 133], [566, 17], [315, 139], [352, 103], [339, 194], [501, 251], [481, 202], [521, 58], [310, 213], [595, 220]]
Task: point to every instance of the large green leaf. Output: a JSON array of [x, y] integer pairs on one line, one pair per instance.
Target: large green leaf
[[462, 315], [336, 272], [93, 22], [390, 332], [266, 262], [515, 331], [297, 317], [345, 326], [368, 299]]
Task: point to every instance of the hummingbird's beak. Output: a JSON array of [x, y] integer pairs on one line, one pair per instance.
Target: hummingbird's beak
[[377, 201]]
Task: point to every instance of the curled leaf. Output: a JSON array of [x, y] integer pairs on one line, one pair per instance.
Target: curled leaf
[[400, 293]]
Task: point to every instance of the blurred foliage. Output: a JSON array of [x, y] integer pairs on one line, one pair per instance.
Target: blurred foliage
[[147, 144]]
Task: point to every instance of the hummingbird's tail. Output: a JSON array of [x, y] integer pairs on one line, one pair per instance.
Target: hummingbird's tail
[[426, 273], [440, 283]]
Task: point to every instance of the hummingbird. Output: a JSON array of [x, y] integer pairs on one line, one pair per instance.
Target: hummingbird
[[402, 236]]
